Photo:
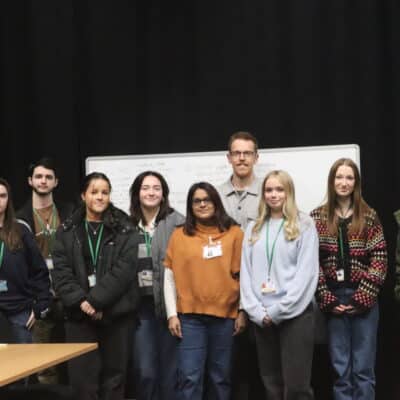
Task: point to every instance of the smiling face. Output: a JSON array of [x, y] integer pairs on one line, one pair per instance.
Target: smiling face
[[242, 156], [3, 202], [274, 194], [202, 206], [96, 198], [151, 193], [344, 181], [43, 181]]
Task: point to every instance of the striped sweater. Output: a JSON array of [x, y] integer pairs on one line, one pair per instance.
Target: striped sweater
[[367, 258]]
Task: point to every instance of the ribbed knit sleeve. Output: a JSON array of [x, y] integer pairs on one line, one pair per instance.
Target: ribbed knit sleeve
[[374, 276], [397, 283]]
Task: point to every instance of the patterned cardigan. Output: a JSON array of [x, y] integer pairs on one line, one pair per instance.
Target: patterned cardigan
[[368, 262]]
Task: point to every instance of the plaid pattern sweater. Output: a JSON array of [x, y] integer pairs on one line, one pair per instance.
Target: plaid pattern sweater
[[368, 262]]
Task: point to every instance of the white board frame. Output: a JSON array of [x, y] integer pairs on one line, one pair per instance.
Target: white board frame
[[308, 166]]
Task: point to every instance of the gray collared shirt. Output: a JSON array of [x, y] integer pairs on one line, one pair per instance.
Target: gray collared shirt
[[242, 205]]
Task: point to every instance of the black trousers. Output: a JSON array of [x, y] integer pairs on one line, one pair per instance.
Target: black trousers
[[100, 374], [285, 353]]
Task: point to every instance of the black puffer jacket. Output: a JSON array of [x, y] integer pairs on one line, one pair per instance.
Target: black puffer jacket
[[116, 291]]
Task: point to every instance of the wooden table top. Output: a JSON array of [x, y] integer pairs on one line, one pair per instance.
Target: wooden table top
[[21, 360]]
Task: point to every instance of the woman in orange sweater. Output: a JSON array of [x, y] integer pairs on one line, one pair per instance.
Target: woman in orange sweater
[[201, 290]]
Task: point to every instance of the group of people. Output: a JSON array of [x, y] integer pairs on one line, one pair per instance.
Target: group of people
[[177, 294]]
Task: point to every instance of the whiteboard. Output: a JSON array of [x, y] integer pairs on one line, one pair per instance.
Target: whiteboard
[[308, 166]]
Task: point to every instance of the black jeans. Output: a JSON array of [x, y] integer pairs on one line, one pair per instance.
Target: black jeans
[[100, 374], [285, 353]]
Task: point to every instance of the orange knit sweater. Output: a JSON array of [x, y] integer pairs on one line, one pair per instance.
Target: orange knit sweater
[[206, 286]]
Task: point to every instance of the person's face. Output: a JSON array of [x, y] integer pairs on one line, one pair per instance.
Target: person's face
[[242, 156], [3, 200], [202, 206], [344, 181], [151, 194], [274, 194], [42, 181], [96, 198]]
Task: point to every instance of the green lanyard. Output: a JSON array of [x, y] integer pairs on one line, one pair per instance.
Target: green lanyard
[[1, 253], [94, 253], [52, 225], [341, 242], [270, 255], [147, 238]]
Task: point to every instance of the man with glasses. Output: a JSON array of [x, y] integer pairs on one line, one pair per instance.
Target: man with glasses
[[240, 195]]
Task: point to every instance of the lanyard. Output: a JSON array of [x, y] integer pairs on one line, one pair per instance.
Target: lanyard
[[1, 253], [51, 225], [94, 253], [341, 242], [148, 239], [270, 255]]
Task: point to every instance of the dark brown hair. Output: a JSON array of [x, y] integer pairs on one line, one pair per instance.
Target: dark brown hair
[[136, 210], [11, 232], [221, 219]]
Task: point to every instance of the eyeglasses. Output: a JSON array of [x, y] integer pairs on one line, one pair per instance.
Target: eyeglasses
[[197, 202], [240, 154]]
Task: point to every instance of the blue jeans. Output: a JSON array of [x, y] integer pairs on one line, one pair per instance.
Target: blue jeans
[[206, 346], [352, 348], [154, 357], [18, 322]]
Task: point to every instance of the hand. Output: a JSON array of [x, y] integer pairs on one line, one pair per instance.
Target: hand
[[87, 308], [174, 326], [352, 310], [240, 323], [267, 321], [340, 309], [31, 321]]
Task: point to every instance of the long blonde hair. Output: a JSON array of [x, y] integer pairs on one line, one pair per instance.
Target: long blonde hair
[[289, 210]]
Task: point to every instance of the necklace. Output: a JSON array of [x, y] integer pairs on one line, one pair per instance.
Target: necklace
[[343, 214], [96, 229]]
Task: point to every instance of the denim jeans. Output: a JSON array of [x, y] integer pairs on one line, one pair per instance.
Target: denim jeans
[[18, 322], [154, 357], [352, 348], [206, 346]]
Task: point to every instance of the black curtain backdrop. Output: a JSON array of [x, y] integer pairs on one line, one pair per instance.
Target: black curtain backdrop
[[82, 78]]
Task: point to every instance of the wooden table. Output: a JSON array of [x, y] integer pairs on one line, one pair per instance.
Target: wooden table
[[21, 360]]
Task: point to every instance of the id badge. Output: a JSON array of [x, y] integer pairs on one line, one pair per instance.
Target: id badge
[[49, 263], [212, 251], [3, 286], [145, 278], [340, 275], [142, 250], [92, 280], [268, 287]]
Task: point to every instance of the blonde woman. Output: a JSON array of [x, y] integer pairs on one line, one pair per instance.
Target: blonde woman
[[278, 278]]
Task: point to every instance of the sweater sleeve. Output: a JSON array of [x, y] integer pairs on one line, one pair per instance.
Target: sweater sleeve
[[301, 288], [368, 289], [248, 299], [397, 280], [38, 275]]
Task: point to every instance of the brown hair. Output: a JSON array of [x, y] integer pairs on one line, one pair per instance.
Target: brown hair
[[358, 203], [244, 136], [10, 234]]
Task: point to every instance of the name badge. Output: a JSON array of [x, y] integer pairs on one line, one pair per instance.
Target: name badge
[[92, 280], [268, 287], [212, 251], [145, 278], [49, 263], [3, 286], [340, 275]]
